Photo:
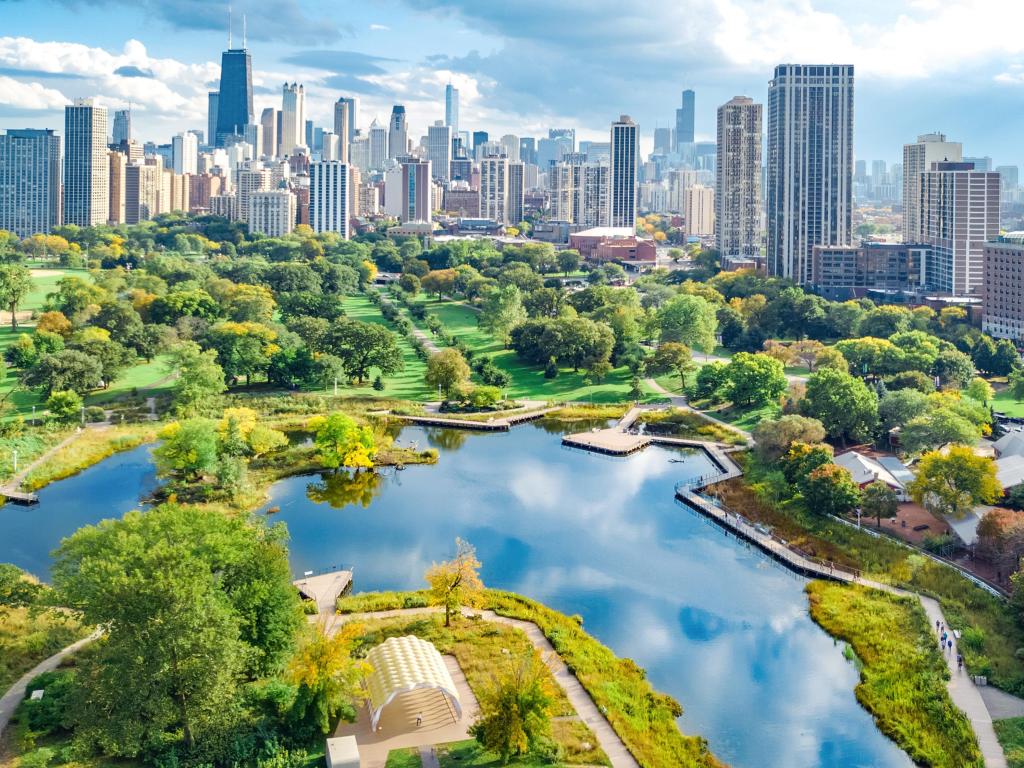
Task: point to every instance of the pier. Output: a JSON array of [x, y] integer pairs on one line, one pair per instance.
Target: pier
[[496, 424], [324, 589]]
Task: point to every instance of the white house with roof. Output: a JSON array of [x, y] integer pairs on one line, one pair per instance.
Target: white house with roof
[[865, 470]]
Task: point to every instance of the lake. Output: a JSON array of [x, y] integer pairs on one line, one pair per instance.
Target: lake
[[717, 625]]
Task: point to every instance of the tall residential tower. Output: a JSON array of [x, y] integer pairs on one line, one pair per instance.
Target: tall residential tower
[[738, 178], [622, 184], [86, 165]]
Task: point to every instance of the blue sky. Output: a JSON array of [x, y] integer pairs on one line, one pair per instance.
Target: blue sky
[[525, 65]]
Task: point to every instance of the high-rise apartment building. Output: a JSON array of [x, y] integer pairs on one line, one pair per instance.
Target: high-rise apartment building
[[451, 108], [272, 212], [329, 197], [122, 129], [960, 213], [918, 158], [398, 133], [234, 104], [439, 149], [516, 192], [343, 126], [378, 146], [142, 189], [494, 189], [330, 147], [293, 118], [116, 194], [411, 201], [810, 165], [622, 184], [1003, 291], [86, 166], [738, 178], [185, 147], [250, 178], [510, 146], [29, 181], [685, 118], [699, 210], [271, 138]]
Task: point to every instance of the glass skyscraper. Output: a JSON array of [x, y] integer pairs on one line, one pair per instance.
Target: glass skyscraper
[[234, 104]]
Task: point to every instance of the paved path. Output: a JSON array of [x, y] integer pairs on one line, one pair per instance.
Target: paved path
[[679, 401], [10, 700], [13, 484], [1001, 704], [428, 757], [579, 698]]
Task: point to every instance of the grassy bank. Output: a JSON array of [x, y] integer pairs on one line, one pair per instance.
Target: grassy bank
[[685, 424], [644, 719], [27, 636], [1011, 735], [903, 675], [90, 447]]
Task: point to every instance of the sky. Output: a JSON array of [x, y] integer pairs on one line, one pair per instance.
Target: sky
[[523, 66]]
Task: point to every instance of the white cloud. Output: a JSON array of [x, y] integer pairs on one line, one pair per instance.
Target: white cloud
[[380, 28], [19, 95]]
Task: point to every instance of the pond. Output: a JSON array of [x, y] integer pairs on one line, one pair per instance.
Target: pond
[[715, 624]]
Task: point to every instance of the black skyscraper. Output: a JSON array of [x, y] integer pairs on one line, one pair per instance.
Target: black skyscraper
[[684, 119], [234, 109]]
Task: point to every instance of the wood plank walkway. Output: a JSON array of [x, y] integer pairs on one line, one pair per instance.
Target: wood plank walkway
[[501, 424]]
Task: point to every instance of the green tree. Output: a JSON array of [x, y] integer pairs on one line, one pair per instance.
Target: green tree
[[899, 407], [979, 390], [711, 381], [198, 377], [878, 500], [568, 261], [65, 406], [953, 368], [456, 582], [803, 458], [672, 358], [188, 450], [936, 428], [755, 379], [15, 284], [843, 404], [515, 709], [1017, 385], [773, 437], [689, 320], [830, 490], [438, 281], [955, 481], [409, 283], [361, 346], [342, 442], [447, 370], [68, 369], [502, 311]]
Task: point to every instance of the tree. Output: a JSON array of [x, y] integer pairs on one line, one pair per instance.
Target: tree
[[68, 369], [439, 281], [773, 437], [456, 582], [672, 358], [955, 482], [1017, 385], [843, 404], [899, 407], [502, 311], [199, 378], [689, 320], [192, 604], [64, 406], [953, 368], [409, 283], [979, 390], [361, 346], [807, 351], [936, 428], [54, 322], [243, 349], [830, 490], [755, 379], [15, 283], [342, 442], [803, 458], [711, 381], [112, 356], [188, 450], [515, 709], [568, 261], [878, 500], [447, 370], [1006, 359]]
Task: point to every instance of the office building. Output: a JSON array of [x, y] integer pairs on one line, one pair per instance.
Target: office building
[[479, 137], [293, 118], [330, 147], [918, 158], [29, 181], [234, 103], [843, 272], [622, 182], [439, 149], [271, 138], [352, 116], [272, 213], [1009, 177], [810, 165], [378, 146], [980, 163], [212, 101], [528, 150], [1003, 287], [510, 147], [329, 197], [253, 136], [185, 150], [118, 163], [86, 166], [398, 133], [451, 108], [738, 178], [122, 129], [685, 119], [343, 127], [662, 141], [960, 213]]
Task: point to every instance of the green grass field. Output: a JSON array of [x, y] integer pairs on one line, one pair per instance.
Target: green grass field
[[1011, 736], [528, 382], [1004, 403]]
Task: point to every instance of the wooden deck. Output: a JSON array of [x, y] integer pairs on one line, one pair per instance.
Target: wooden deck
[[19, 497], [324, 589], [501, 424]]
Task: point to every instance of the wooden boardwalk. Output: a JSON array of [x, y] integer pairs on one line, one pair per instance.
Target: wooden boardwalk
[[499, 424], [324, 589]]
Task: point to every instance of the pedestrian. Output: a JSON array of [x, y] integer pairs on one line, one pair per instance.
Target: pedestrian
[[419, 719], [936, 626], [959, 662], [950, 645]]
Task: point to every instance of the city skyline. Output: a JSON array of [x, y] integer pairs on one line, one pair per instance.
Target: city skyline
[[166, 65]]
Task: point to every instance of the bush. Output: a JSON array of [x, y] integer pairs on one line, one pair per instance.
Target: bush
[[94, 414], [551, 369], [973, 638], [48, 714]]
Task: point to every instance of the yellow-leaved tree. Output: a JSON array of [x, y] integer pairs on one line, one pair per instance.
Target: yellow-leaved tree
[[456, 582]]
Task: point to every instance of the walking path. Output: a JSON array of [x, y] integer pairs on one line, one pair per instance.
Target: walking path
[[12, 488], [579, 698], [10, 700], [679, 401]]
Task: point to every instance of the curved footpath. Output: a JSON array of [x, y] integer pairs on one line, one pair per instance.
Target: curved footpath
[[585, 707]]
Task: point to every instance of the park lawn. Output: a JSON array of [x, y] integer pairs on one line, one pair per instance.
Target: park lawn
[[407, 757], [139, 377], [43, 285], [1011, 735], [903, 675], [528, 382], [407, 385], [745, 418], [1004, 403], [469, 754]]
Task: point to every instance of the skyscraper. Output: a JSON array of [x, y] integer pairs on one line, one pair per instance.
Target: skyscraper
[[378, 146], [451, 108], [118, 162], [662, 141], [212, 102], [293, 117], [353, 115], [439, 149], [516, 193], [186, 152], [271, 139], [622, 185], [685, 119], [479, 137], [407, 190], [738, 178], [329, 197], [510, 146], [918, 158], [29, 181], [86, 165], [343, 126], [810, 165], [122, 130], [494, 189], [398, 132], [234, 104]]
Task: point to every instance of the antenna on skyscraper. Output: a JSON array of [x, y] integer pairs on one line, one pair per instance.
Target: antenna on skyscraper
[[243, 30], [229, 26]]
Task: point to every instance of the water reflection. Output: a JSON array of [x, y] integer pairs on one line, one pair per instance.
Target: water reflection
[[446, 439], [342, 488]]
